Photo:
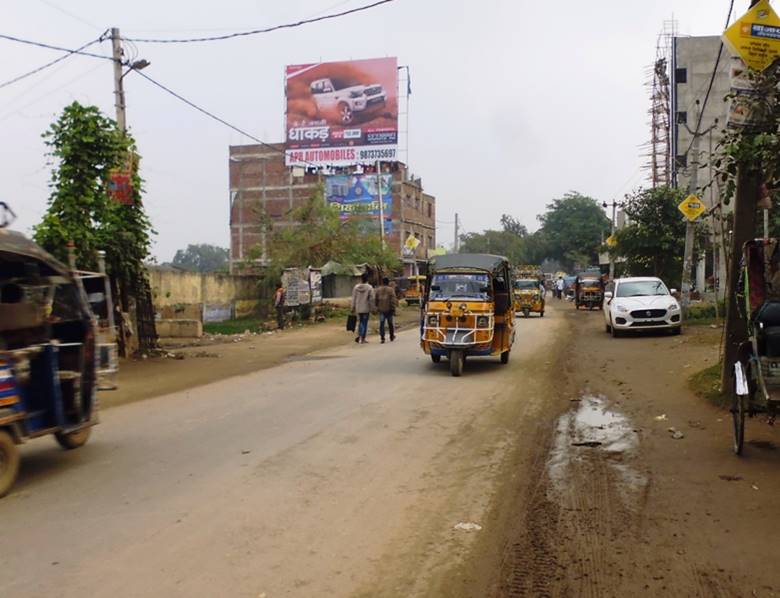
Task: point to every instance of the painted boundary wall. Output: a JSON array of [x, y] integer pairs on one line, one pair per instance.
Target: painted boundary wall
[[205, 297]]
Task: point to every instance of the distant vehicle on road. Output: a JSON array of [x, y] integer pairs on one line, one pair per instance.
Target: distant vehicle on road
[[640, 303], [346, 98]]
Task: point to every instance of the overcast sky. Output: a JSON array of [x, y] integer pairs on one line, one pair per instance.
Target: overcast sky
[[513, 102]]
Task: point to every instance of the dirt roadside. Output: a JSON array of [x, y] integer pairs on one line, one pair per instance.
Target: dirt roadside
[[235, 355], [615, 503]]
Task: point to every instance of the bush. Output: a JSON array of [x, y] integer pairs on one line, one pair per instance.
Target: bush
[[705, 311]]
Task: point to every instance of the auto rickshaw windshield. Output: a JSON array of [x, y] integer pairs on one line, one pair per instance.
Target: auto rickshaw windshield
[[526, 285], [459, 286]]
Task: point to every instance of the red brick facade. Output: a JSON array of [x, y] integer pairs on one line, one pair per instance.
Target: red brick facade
[[261, 184]]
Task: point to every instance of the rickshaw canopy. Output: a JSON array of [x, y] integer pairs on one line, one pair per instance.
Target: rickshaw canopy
[[469, 261]]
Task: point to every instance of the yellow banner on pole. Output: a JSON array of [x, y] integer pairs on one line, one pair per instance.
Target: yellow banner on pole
[[755, 36]]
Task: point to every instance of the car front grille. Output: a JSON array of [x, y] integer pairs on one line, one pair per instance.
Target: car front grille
[[643, 324], [648, 313]]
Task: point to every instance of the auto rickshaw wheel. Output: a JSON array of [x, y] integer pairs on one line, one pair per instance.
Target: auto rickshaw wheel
[[526, 313], [505, 357], [541, 314], [73, 440], [435, 358], [9, 462], [456, 362]]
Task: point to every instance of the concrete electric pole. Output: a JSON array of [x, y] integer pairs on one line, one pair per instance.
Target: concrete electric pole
[[693, 184], [456, 242], [119, 92]]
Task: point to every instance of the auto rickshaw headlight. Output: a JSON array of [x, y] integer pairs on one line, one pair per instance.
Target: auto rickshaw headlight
[[483, 322], [433, 321], [463, 307]]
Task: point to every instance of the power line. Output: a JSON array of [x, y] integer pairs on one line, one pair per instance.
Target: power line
[[213, 116], [49, 64], [58, 48], [265, 30], [712, 81]]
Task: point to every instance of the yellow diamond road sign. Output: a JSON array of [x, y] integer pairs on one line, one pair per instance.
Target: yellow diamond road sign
[[611, 241], [692, 207], [755, 37]]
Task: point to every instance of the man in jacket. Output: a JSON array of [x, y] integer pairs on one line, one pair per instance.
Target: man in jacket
[[362, 302], [386, 304]]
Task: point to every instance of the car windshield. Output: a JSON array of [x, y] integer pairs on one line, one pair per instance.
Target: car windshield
[[459, 286], [526, 284], [641, 288], [590, 282]]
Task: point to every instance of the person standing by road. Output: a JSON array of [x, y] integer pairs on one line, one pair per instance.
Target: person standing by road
[[559, 286], [279, 305], [362, 302], [386, 304]]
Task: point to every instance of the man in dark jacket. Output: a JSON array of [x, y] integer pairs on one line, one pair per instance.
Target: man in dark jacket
[[386, 304], [279, 305]]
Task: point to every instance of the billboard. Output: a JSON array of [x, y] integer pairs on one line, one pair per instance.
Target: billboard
[[357, 198], [342, 113]]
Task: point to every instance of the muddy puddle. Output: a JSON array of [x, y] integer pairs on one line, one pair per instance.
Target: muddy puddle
[[595, 433]]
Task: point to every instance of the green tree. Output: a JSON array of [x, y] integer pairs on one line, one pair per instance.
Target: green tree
[[202, 257], [572, 230], [514, 226], [85, 147], [498, 242], [652, 243], [319, 235]]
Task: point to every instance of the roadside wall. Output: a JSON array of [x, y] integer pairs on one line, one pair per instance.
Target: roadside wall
[[180, 295]]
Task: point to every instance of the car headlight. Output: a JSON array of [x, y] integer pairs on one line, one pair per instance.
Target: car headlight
[[674, 307], [622, 309], [483, 322], [433, 321]]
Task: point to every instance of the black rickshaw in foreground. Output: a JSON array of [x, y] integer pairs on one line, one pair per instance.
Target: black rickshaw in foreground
[[468, 309], [47, 353], [757, 371]]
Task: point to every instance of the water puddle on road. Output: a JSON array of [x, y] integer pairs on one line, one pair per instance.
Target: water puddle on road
[[593, 434]]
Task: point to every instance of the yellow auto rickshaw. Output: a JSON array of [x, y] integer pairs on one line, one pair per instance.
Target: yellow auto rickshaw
[[528, 297], [415, 290], [468, 309]]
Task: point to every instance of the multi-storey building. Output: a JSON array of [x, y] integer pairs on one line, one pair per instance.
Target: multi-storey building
[[262, 187]]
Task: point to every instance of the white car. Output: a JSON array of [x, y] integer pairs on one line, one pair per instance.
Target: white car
[[641, 303], [345, 99]]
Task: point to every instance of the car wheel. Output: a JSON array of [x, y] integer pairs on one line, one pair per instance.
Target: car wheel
[[616, 333], [435, 358], [73, 440], [9, 462], [608, 327], [676, 331], [345, 113]]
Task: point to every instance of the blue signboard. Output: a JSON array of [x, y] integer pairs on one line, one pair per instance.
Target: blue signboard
[[356, 196]]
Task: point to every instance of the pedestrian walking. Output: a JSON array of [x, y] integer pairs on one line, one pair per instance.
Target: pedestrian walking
[[279, 305], [386, 303], [559, 285], [362, 302]]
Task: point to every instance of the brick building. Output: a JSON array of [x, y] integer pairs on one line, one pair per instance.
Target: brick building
[[261, 184]]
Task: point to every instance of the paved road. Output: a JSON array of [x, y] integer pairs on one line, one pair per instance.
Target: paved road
[[342, 473]]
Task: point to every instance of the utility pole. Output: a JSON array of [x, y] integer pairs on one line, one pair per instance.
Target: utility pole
[[456, 243], [748, 187], [119, 92], [381, 203], [693, 184], [611, 234]]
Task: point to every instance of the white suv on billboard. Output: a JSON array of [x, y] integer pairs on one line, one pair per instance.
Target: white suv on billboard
[[344, 99], [640, 303]]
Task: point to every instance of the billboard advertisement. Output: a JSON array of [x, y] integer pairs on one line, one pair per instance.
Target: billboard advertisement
[[356, 197], [342, 113]]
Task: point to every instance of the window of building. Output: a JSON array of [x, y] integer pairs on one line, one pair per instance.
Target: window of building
[[430, 210], [417, 203], [430, 241], [682, 118], [681, 75], [682, 161]]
